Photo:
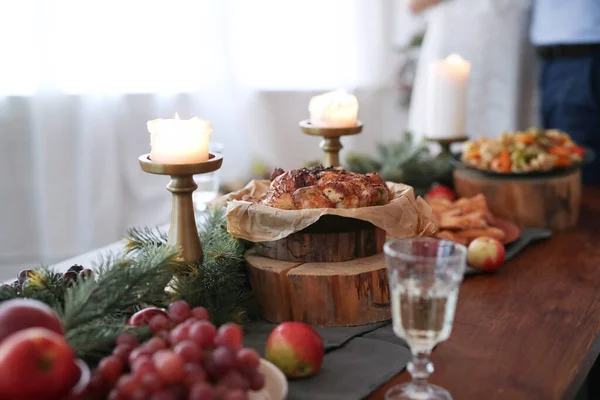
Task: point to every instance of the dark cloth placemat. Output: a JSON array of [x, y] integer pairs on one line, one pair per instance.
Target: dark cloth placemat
[[258, 332], [528, 236], [353, 372], [357, 361]]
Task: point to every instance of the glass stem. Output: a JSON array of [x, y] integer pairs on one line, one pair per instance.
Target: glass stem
[[420, 368]]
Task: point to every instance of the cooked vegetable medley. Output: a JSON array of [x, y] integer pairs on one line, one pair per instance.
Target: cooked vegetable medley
[[518, 152]]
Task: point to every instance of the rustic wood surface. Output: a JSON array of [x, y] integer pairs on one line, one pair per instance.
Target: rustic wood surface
[[345, 293], [532, 330], [332, 238], [540, 202], [322, 247], [341, 294], [271, 286]]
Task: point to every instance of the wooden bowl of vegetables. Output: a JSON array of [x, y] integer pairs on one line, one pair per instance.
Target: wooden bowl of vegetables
[[535, 152]]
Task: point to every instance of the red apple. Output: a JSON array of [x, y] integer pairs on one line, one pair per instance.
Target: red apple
[[144, 316], [36, 363], [486, 254], [19, 314], [296, 349], [440, 191]]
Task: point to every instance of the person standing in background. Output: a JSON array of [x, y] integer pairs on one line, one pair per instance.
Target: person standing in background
[[493, 36], [567, 39]]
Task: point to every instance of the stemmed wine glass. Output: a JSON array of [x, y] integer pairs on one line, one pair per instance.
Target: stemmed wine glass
[[424, 275], [208, 184]]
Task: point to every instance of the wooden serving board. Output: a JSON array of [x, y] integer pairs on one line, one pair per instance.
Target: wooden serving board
[[550, 201], [348, 293]]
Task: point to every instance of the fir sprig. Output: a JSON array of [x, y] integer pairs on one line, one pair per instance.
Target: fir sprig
[[220, 284], [8, 292], [138, 239], [120, 285], [94, 310], [95, 340], [406, 160], [47, 285], [43, 284]]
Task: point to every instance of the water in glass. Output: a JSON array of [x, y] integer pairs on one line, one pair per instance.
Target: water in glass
[[208, 188], [208, 184], [424, 275], [423, 315]]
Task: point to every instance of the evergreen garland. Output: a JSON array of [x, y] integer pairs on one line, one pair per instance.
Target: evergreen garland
[[406, 161], [139, 239], [123, 283], [95, 340], [220, 284], [149, 273]]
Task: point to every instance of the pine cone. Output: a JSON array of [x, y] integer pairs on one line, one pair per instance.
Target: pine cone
[[76, 268], [86, 273], [70, 277]]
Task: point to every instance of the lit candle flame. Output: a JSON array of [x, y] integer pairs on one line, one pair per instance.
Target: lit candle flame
[[454, 59]]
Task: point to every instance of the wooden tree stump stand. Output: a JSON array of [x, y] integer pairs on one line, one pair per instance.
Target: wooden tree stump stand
[[345, 293], [331, 238], [532, 202]]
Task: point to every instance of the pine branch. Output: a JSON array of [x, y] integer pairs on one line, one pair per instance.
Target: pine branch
[[95, 340], [9, 292], [42, 284], [45, 284], [405, 160], [140, 238], [220, 284], [122, 284], [361, 163]]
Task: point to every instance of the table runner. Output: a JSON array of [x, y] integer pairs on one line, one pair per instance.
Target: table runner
[[357, 361]]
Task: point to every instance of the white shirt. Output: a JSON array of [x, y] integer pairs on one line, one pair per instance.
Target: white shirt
[[493, 36], [565, 22]]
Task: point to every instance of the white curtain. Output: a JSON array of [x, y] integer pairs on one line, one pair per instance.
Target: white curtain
[[80, 78]]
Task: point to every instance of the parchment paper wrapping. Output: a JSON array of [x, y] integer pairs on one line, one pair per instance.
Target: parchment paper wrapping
[[404, 216]]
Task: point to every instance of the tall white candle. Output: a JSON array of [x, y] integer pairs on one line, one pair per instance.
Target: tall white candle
[[447, 97], [179, 141], [337, 109]]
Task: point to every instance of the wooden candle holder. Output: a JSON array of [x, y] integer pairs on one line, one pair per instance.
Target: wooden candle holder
[[331, 144], [183, 232]]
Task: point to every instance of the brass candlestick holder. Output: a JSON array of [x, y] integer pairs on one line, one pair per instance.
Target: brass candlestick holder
[[445, 156], [445, 143], [331, 144], [183, 232]]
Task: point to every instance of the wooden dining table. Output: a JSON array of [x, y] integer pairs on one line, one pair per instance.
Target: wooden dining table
[[528, 331], [532, 329]]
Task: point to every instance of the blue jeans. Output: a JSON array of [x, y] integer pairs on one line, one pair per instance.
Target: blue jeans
[[570, 96]]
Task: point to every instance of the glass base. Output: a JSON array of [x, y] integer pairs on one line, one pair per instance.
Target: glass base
[[410, 391], [200, 207]]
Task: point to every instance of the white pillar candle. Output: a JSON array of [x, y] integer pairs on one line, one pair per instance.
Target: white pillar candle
[[447, 97], [337, 109], [179, 141]]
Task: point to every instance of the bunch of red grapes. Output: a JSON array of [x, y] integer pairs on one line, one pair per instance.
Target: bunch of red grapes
[[186, 359]]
